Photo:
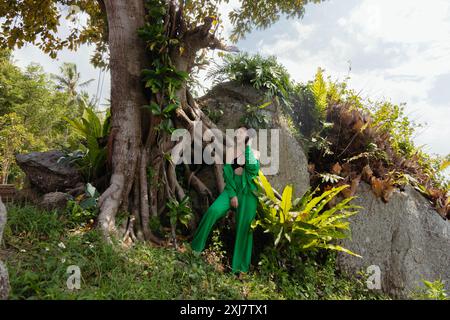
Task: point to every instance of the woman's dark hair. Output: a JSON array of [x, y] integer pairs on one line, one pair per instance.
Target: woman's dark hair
[[248, 128]]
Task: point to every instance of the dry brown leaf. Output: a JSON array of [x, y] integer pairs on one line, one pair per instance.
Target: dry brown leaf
[[377, 186], [388, 191], [355, 184], [367, 174], [358, 124], [336, 169]]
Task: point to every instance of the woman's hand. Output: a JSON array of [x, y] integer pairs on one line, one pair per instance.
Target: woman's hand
[[234, 202], [239, 171]]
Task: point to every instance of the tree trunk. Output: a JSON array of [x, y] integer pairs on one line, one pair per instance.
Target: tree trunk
[[127, 59], [136, 144]]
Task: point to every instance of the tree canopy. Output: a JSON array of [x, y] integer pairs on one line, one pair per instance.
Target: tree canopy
[[40, 22]]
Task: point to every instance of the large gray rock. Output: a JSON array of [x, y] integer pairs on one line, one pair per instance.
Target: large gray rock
[[405, 238], [4, 280], [231, 99], [46, 174]]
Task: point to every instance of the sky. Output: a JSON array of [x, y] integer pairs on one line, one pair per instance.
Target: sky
[[396, 50]]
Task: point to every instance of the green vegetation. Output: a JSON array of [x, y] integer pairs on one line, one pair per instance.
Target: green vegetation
[[31, 115], [161, 78], [40, 245], [265, 74], [35, 110], [351, 139], [433, 291], [255, 117], [93, 133], [14, 137], [304, 224]]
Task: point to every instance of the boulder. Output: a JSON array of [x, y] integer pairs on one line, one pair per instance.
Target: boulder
[[4, 280], [231, 99], [406, 238], [46, 174], [55, 200]]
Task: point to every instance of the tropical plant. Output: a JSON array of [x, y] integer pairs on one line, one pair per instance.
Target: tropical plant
[[262, 73], [305, 222], [84, 208], [93, 132], [14, 138], [179, 211], [432, 291], [69, 81], [319, 89], [30, 108], [371, 141], [254, 116]]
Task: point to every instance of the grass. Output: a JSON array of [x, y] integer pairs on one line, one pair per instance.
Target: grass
[[40, 246]]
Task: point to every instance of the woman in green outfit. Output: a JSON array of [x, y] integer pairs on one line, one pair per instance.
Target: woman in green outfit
[[238, 195]]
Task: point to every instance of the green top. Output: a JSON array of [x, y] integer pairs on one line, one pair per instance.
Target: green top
[[251, 170]]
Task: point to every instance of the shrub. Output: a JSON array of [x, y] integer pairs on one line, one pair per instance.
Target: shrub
[[93, 132], [264, 74], [304, 223]]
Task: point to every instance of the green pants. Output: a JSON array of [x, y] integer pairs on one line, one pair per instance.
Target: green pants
[[245, 213]]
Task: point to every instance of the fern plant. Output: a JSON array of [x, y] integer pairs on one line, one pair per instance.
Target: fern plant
[[319, 89], [305, 222], [260, 72]]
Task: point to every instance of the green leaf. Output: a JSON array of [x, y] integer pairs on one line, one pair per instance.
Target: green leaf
[[167, 110], [88, 203], [339, 248], [286, 203], [266, 186], [278, 238]]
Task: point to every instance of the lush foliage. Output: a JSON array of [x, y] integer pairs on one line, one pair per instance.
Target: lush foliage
[[40, 245], [93, 132], [372, 141], [83, 209], [14, 138], [264, 74], [162, 78], [22, 25], [351, 139], [433, 291], [304, 223], [312, 276], [254, 116], [261, 14], [32, 112], [179, 211]]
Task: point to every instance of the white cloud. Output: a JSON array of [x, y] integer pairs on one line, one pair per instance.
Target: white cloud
[[397, 49], [401, 21]]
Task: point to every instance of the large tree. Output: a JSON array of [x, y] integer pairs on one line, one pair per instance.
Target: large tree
[[171, 36]]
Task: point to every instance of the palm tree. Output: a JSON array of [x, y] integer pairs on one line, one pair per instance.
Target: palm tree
[[70, 82]]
